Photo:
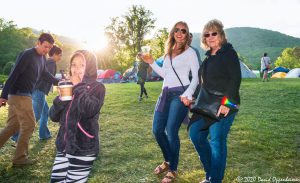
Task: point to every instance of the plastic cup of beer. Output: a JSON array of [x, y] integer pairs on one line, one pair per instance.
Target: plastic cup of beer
[[65, 90], [146, 51]]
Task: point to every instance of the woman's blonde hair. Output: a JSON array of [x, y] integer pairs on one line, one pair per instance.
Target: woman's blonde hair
[[171, 40], [213, 26]]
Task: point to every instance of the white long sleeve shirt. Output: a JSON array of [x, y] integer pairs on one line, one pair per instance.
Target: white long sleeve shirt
[[183, 64]]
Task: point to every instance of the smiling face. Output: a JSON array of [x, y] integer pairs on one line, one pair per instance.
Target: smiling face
[[78, 65], [180, 33], [213, 40]]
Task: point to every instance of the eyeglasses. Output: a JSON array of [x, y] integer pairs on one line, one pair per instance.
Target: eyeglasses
[[212, 34], [183, 31]]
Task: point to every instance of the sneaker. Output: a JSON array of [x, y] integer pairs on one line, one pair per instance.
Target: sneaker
[[25, 163], [140, 98], [146, 96]]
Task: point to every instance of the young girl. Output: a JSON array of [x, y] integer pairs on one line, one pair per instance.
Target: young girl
[[77, 141]]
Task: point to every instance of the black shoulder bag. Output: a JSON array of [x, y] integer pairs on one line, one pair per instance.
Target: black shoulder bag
[[208, 101]]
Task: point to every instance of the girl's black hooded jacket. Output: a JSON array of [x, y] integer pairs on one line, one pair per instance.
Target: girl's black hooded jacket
[[79, 128]]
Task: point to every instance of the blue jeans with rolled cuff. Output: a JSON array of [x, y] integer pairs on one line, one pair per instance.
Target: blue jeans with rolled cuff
[[212, 153], [166, 125]]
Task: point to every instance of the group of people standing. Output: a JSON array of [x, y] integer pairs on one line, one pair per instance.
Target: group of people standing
[[77, 142], [219, 71]]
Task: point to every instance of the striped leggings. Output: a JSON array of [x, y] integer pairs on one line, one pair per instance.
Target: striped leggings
[[69, 168]]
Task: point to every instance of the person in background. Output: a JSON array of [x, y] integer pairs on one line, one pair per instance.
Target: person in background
[[177, 91], [30, 66], [40, 105], [196, 50], [265, 65], [42, 88], [77, 142], [221, 72], [142, 76]]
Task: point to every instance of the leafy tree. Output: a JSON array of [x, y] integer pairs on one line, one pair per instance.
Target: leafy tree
[[7, 68], [126, 34], [13, 41], [289, 58], [158, 42]]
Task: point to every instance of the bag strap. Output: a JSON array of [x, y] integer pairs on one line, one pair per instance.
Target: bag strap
[[176, 72]]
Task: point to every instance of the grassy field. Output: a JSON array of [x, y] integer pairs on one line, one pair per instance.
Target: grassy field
[[264, 140]]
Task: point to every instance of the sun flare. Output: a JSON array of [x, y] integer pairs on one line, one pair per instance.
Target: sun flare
[[96, 43]]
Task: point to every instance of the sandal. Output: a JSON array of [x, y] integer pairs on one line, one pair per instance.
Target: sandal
[[170, 177], [161, 168]]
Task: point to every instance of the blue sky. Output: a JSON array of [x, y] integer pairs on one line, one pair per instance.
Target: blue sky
[[85, 20]]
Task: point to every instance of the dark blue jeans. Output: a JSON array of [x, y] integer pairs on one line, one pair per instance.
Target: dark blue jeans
[[212, 154], [166, 125]]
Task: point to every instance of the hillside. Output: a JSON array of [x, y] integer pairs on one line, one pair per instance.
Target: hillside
[[251, 43]]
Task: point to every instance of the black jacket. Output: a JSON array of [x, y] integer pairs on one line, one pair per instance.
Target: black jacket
[[221, 72], [28, 69], [79, 129]]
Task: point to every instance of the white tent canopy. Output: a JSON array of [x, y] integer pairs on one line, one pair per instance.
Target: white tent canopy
[[246, 72], [294, 73]]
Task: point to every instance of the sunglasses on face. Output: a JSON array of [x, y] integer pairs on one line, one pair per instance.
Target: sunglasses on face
[[212, 34], [183, 31]]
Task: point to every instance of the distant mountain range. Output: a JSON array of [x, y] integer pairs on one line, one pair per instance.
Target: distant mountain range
[[251, 43]]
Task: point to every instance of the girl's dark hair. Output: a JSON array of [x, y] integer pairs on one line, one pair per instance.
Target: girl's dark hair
[[55, 50], [46, 37]]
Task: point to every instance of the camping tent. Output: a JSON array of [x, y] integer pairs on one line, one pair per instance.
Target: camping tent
[[129, 75], [279, 75], [246, 72], [294, 73], [281, 69], [110, 76]]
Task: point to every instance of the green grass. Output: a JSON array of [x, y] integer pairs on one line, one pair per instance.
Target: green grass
[[264, 140]]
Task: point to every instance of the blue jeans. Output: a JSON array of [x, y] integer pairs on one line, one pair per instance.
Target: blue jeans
[[212, 154], [40, 108], [166, 125]]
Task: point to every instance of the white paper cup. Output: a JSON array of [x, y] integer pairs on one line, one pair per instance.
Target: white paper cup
[[65, 91]]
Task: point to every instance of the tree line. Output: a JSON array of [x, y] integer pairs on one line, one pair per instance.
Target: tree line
[[126, 34]]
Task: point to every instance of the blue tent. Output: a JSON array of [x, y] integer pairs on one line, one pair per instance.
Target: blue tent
[[280, 69], [160, 61]]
